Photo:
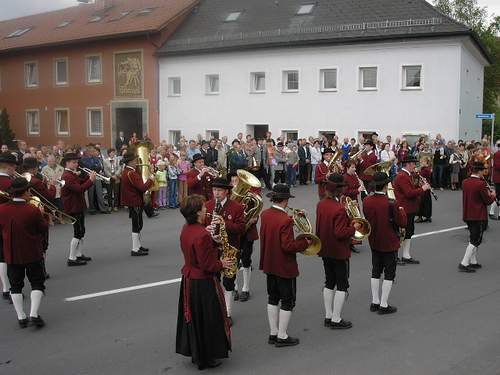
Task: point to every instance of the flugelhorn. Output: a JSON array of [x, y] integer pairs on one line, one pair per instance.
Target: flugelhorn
[[355, 216], [304, 227], [212, 171]]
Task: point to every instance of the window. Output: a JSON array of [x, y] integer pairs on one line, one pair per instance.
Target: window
[[412, 77], [291, 81], [212, 84], [31, 74], [33, 121], [368, 78], [62, 121], [258, 82], [328, 79], [95, 122], [233, 16], [305, 9], [95, 19], [174, 86], [174, 137], [61, 71], [212, 134], [145, 11], [19, 32], [63, 24], [94, 69], [290, 135]]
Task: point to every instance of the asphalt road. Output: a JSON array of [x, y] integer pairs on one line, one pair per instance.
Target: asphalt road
[[447, 323]]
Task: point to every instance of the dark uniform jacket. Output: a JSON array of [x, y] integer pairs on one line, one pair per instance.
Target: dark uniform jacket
[[407, 194], [234, 219], [278, 247], [334, 229], [23, 227], [133, 188], [475, 197], [72, 196], [380, 212], [198, 186]]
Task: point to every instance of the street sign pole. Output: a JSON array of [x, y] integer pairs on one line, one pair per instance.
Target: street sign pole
[[492, 132], [488, 116]]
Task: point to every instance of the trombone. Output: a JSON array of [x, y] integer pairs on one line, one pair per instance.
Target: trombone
[[304, 227], [45, 205], [98, 175]]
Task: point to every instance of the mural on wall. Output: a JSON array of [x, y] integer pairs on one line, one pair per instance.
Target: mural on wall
[[128, 75]]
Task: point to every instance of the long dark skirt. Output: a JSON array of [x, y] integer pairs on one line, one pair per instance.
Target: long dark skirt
[[426, 205], [204, 338]]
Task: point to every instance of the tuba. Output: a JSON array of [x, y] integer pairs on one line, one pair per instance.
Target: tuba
[[333, 166], [241, 193], [145, 169], [304, 227], [355, 216], [385, 167]]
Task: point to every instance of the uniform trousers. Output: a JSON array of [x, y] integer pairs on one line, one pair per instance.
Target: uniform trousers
[[281, 289], [336, 273], [246, 252], [476, 230], [384, 262], [79, 225], [410, 226], [135, 213], [34, 272]]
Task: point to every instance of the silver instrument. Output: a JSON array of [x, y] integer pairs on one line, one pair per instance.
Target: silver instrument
[[98, 175]]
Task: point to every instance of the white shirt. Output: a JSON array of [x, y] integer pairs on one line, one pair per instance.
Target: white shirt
[[279, 208], [409, 174], [315, 155]]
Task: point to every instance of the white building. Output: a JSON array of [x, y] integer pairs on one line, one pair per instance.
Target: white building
[[299, 69]]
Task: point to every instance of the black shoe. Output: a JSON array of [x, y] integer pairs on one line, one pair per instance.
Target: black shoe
[[92, 212], [343, 324], [244, 296], [6, 296], [37, 321], [410, 261], [400, 262], [289, 341], [84, 258], [236, 296], [429, 220], [493, 217], [387, 310], [327, 323], [145, 249], [374, 307], [76, 263], [23, 323], [418, 220], [139, 253], [475, 266], [154, 214], [230, 320], [466, 269], [47, 276], [105, 212], [272, 339], [211, 364]]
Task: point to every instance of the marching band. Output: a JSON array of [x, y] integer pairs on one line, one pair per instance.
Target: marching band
[[358, 199]]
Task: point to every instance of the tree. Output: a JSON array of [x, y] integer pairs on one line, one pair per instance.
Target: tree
[[7, 136], [474, 16]]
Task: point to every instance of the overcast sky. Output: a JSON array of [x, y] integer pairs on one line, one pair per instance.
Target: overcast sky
[[17, 8]]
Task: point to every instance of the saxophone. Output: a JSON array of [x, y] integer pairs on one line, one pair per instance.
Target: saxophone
[[228, 251]]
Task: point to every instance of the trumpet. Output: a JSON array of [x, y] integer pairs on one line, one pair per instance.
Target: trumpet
[[212, 171], [98, 175]]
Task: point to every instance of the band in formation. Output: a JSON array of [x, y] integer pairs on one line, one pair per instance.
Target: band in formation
[[358, 200]]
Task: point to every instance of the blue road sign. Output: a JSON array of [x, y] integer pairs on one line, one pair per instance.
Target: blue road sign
[[485, 116]]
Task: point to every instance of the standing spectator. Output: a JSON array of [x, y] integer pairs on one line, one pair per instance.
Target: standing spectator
[[388, 155], [113, 170], [192, 150], [262, 157], [315, 157], [271, 162], [292, 162], [304, 160], [4, 148], [53, 171], [225, 146], [455, 169], [237, 159], [440, 164], [212, 154], [120, 141], [42, 162], [403, 151], [173, 175], [221, 159], [133, 140], [203, 152], [22, 149], [161, 180], [280, 168], [346, 149], [95, 194], [184, 166]]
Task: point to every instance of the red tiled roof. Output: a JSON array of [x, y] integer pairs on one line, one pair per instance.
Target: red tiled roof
[[45, 31]]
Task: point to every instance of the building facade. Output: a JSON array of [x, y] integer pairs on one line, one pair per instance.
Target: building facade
[[221, 82], [83, 74]]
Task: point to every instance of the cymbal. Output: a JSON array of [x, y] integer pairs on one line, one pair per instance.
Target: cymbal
[[379, 167]]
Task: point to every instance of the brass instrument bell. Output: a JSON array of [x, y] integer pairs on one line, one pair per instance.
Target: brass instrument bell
[[304, 227]]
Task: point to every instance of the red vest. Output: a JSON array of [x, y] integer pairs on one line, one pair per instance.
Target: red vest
[[333, 229], [278, 247], [320, 178], [23, 228], [201, 258], [234, 219], [406, 193], [72, 196], [377, 210], [132, 188], [475, 197], [201, 186]]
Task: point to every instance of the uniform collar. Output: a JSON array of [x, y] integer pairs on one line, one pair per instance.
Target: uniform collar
[[278, 208], [379, 193], [70, 170], [405, 170], [18, 200], [129, 167], [369, 152], [4, 174], [326, 162], [222, 202], [475, 176]]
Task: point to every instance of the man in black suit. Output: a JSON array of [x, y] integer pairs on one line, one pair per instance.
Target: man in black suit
[[304, 160], [120, 141]]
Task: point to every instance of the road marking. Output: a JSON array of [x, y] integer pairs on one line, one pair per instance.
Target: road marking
[[122, 290], [438, 231], [175, 281]]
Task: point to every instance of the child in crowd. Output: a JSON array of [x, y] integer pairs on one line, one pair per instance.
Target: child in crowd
[[173, 175], [184, 166], [161, 179]]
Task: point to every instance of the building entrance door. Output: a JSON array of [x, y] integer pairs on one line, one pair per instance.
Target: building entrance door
[[257, 131], [129, 121]]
